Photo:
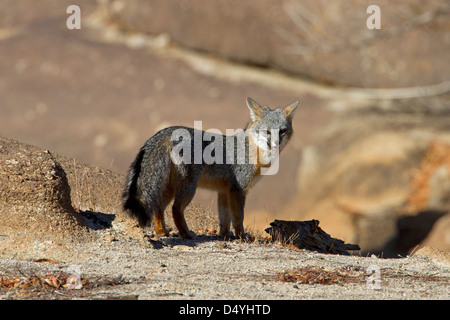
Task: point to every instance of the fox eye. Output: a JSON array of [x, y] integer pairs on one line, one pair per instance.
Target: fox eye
[[262, 131], [283, 131]]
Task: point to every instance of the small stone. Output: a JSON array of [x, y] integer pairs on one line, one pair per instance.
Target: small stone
[[182, 247], [109, 238]]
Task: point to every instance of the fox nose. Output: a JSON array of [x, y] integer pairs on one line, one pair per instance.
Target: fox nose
[[275, 144]]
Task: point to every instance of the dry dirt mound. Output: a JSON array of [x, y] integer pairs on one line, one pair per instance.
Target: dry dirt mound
[[35, 194], [50, 197]]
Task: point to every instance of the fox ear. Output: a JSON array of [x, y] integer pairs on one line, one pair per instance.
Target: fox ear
[[290, 110], [256, 111]]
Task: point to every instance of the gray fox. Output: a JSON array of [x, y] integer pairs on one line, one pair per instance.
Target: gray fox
[[173, 163]]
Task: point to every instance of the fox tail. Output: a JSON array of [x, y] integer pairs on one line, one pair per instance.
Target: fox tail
[[131, 203]]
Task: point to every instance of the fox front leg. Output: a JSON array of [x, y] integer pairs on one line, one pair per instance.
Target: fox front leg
[[237, 204]]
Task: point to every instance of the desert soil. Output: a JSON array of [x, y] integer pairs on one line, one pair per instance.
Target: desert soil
[[116, 266]]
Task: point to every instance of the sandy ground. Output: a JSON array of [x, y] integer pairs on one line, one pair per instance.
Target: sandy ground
[[119, 267]]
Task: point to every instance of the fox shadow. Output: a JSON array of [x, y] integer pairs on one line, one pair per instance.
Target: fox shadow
[[96, 220], [100, 221], [199, 238]]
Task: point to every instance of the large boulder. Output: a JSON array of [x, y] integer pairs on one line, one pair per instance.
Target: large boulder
[[377, 177], [439, 236], [319, 39]]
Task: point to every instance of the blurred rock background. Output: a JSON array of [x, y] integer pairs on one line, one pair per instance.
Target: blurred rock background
[[370, 157]]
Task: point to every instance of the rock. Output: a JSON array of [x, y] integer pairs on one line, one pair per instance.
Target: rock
[[182, 247], [439, 236], [35, 195], [431, 182], [413, 229], [439, 194], [435, 255], [371, 170], [109, 238], [315, 39]]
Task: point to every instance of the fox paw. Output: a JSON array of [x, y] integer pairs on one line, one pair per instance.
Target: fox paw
[[187, 234]]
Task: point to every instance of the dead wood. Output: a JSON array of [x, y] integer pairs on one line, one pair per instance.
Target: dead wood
[[308, 235]]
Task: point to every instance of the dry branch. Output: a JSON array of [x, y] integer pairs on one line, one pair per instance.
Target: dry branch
[[308, 235]]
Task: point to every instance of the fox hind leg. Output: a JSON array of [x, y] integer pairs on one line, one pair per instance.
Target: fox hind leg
[[160, 226], [182, 198], [162, 200]]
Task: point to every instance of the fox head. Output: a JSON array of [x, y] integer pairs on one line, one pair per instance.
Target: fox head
[[270, 129]]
